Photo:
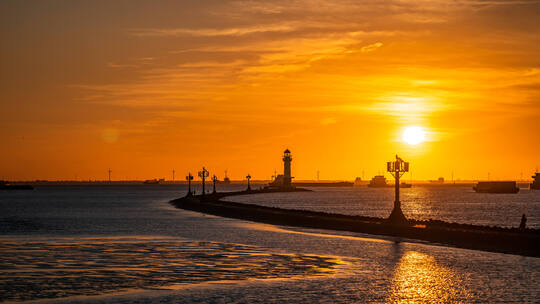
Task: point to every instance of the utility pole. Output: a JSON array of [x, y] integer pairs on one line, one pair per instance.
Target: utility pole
[[110, 175], [173, 176]]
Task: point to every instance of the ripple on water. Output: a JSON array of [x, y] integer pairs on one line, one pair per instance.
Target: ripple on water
[[39, 270]]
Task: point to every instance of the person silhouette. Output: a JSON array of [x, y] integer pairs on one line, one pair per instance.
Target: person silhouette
[[523, 223]]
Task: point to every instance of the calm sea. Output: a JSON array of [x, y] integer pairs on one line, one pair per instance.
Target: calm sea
[[452, 204], [122, 244]]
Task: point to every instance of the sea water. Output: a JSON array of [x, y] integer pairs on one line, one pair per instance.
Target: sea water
[[126, 243], [452, 204]]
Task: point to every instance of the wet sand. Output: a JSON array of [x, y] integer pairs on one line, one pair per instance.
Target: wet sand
[[86, 267]]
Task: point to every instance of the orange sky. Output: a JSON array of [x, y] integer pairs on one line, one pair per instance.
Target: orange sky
[[144, 87]]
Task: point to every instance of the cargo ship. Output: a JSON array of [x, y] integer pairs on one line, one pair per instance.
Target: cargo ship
[[378, 181], [153, 181], [496, 187], [536, 183]]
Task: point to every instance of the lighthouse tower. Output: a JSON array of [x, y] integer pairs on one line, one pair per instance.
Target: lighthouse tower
[[287, 158]]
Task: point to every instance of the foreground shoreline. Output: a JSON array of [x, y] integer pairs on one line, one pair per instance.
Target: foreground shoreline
[[494, 239]]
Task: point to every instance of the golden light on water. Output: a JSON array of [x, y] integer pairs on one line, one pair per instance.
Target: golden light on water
[[419, 279]]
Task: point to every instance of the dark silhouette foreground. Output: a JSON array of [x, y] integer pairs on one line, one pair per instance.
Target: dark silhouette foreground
[[496, 239]]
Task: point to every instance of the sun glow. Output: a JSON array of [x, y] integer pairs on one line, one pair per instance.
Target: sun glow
[[414, 135]]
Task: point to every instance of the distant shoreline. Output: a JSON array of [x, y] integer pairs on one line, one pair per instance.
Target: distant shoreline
[[493, 239], [330, 184]]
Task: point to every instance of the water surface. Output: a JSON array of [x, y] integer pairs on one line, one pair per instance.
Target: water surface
[[452, 204], [125, 244]]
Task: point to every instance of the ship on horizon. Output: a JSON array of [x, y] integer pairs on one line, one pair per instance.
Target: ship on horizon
[[496, 187], [153, 181], [378, 181], [405, 185]]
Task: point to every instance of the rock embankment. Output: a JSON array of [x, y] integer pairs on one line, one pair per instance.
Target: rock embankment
[[495, 239]]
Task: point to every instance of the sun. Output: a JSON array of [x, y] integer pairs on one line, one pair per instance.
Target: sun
[[414, 135]]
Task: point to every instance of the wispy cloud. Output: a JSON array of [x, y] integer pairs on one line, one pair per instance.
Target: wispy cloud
[[214, 32], [371, 47], [259, 42], [121, 66]]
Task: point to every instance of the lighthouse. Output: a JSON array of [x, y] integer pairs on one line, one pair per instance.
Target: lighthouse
[[287, 158]]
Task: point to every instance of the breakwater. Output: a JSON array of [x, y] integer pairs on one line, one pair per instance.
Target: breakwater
[[495, 239]]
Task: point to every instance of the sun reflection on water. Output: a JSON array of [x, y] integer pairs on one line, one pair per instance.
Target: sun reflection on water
[[419, 279]]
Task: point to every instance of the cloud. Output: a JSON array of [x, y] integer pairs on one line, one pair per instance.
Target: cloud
[[409, 107], [371, 47], [212, 64], [214, 32], [302, 42], [121, 66]]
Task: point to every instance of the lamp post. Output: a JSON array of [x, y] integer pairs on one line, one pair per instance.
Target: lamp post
[[189, 178], [248, 178], [397, 169], [214, 180], [203, 175]]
